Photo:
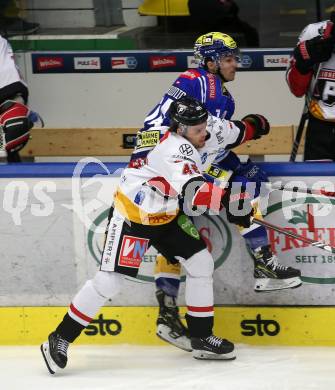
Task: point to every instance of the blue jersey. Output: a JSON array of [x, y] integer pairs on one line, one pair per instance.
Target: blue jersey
[[199, 84]]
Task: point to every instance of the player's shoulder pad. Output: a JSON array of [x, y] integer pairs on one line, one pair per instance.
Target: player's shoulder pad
[[312, 30], [190, 74]]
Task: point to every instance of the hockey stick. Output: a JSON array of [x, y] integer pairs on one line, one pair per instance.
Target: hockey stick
[[317, 244], [309, 191], [299, 133], [3, 152], [303, 119]]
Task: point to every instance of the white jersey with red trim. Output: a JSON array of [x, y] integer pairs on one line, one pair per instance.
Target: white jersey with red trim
[[322, 104], [154, 181], [155, 185], [9, 73]]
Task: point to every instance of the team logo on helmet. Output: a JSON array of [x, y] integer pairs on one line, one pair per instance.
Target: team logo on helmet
[[181, 109], [207, 39]]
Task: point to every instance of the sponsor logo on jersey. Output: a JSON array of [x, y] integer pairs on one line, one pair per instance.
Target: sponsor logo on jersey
[[139, 197], [327, 74], [276, 60], [192, 62], [175, 92], [157, 62], [159, 219], [186, 149], [135, 163], [189, 74], [204, 157], [260, 327], [109, 244], [132, 251], [215, 172], [87, 63], [123, 62], [44, 63], [219, 135], [184, 158], [212, 85], [213, 230], [187, 226], [147, 139]]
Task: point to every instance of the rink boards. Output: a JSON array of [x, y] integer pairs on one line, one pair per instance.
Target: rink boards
[[57, 214], [136, 325]]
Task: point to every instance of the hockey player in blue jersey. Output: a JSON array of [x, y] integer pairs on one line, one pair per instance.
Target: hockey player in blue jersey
[[218, 57], [207, 83]]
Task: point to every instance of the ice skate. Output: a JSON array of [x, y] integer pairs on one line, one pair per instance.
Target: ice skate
[[54, 352], [270, 275], [212, 348], [169, 326]]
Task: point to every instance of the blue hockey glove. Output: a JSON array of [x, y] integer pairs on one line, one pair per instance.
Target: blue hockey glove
[[252, 172]]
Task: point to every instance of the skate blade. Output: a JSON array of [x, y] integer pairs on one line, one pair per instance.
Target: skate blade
[[182, 342], [205, 355], [51, 365], [268, 284]]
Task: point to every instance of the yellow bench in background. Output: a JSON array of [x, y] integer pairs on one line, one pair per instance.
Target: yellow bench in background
[[164, 8], [109, 142]]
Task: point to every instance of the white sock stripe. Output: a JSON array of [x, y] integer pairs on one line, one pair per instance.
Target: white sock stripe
[[76, 318], [167, 275], [200, 314]]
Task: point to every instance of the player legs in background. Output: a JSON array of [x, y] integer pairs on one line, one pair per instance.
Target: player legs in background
[[269, 274], [169, 325]]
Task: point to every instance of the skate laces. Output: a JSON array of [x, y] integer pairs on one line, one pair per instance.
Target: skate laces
[[274, 264], [62, 346], [214, 340]]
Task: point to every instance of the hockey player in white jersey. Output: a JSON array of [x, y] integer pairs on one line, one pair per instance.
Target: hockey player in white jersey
[[151, 207], [16, 119], [222, 135], [217, 55], [311, 72]]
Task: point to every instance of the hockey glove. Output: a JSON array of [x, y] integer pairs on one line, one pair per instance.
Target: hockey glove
[[252, 172], [315, 50], [238, 207], [16, 125], [259, 123]]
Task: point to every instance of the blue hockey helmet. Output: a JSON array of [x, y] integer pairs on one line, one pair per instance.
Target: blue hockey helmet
[[214, 45]]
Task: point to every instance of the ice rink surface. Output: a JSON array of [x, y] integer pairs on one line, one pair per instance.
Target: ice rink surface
[[159, 368]]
